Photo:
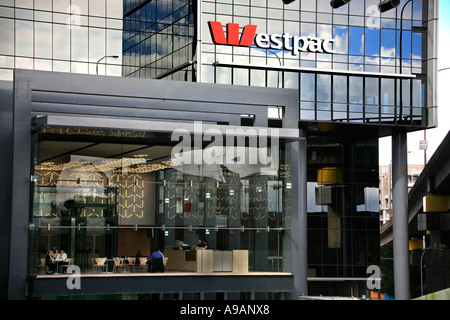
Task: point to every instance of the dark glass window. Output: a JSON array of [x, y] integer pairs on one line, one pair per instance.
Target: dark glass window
[[342, 239], [159, 39]]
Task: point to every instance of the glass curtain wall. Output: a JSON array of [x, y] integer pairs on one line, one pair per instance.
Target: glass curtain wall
[[343, 206], [159, 36], [365, 40], [61, 35], [118, 193]]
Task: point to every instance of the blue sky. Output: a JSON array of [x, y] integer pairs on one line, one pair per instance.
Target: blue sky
[[434, 136]]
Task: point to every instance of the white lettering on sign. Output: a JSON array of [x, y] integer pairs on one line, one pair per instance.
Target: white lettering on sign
[[295, 44]]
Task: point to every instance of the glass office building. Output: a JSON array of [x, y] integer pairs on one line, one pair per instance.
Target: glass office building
[[341, 77]]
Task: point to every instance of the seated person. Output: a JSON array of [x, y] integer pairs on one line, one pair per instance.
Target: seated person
[[138, 255], [63, 260], [157, 259], [51, 266], [63, 256], [149, 264], [56, 255]]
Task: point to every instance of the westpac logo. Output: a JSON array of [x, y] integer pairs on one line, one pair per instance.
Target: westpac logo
[[233, 39], [285, 41]]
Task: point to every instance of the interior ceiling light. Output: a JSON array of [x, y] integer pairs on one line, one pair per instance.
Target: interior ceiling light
[[288, 1], [338, 3]]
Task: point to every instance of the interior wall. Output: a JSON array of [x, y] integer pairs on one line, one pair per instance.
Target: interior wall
[[146, 189], [129, 241]]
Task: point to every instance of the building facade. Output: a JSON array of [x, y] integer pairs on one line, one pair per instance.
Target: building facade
[[414, 171], [252, 124]]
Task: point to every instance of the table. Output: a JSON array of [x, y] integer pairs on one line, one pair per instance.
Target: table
[[58, 265]]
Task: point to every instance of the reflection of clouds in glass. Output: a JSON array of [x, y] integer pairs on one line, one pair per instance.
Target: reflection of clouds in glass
[[356, 90], [223, 75], [356, 40], [6, 75], [324, 31], [143, 47], [24, 38], [308, 30], [311, 195], [80, 45], [339, 89], [361, 48], [45, 65], [152, 50], [307, 87], [24, 63], [371, 200], [388, 52], [323, 87], [6, 62], [356, 59], [61, 42], [291, 80], [42, 40], [7, 38], [341, 39], [58, 41]]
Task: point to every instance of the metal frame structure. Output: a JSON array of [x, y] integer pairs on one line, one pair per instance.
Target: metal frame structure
[[69, 100]]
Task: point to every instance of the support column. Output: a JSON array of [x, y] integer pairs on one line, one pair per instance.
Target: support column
[[6, 177], [299, 239], [20, 205], [400, 214]]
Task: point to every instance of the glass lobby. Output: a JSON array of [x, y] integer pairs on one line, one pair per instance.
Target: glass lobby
[[110, 193]]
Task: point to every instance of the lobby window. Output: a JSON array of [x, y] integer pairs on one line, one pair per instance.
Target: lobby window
[[125, 192]]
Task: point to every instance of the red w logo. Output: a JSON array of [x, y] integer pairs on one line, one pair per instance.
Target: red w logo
[[233, 34]]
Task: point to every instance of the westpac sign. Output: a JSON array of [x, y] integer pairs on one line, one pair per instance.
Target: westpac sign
[[285, 41]]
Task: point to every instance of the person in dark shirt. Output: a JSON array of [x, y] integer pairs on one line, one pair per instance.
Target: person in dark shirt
[[138, 255], [51, 267], [200, 244]]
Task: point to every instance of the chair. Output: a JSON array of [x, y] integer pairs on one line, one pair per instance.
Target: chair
[[70, 262], [131, 262], [100, 262], [165, 263], [143, 263], [118, 263], [42, 264], [157, 265]]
